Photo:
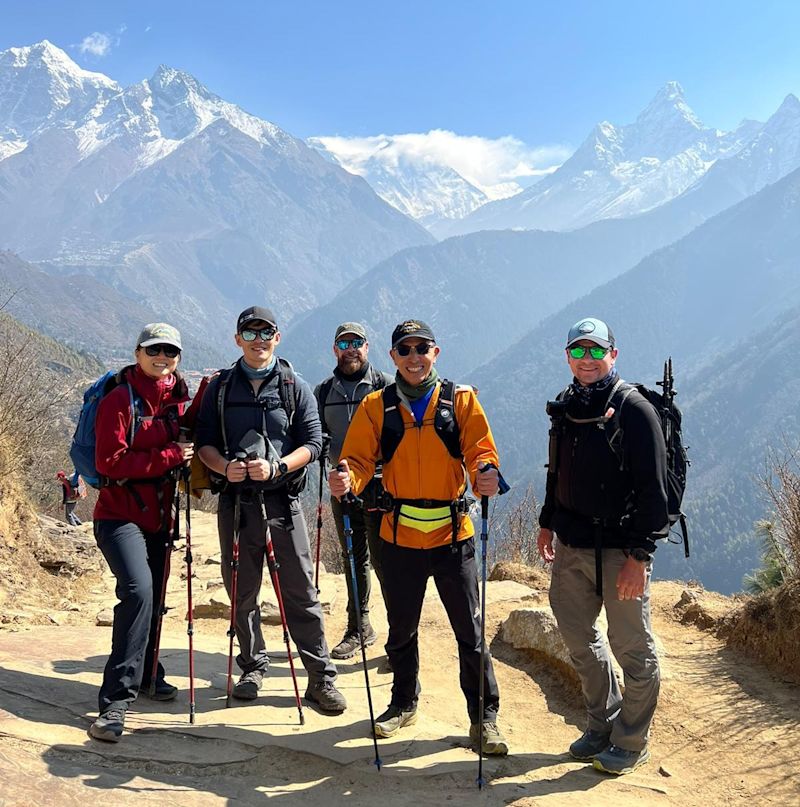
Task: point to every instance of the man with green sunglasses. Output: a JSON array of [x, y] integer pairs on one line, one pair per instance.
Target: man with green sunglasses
[[604, 518]]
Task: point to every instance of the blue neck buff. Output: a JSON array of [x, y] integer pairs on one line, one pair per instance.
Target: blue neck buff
[[257, 375], [584, 394]]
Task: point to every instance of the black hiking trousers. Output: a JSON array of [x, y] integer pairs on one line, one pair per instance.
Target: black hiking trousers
[[137, 560], [455, 573]]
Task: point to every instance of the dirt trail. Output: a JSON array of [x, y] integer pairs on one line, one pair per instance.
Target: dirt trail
[[726, 731]]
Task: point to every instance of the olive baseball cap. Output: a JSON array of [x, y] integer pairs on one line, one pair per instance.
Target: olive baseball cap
[[591, 330], [159, 333], [356, 328]]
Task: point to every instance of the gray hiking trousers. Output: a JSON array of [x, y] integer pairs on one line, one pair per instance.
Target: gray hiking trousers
[[295, 573], [576, 606]]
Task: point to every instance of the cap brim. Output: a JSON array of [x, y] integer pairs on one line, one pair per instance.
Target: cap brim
[[589, 338], [161, 342]]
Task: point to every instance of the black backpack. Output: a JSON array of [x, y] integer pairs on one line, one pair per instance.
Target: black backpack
[[296, 481], [376, 382], [670, 417]]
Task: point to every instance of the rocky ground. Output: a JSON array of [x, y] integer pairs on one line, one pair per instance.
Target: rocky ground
[[726, 731]]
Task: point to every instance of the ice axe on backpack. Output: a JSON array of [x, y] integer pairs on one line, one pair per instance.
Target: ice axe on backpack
[[503, 487]]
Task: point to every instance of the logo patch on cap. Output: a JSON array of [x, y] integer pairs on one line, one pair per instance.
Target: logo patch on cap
[[409, 326], [586, 327]]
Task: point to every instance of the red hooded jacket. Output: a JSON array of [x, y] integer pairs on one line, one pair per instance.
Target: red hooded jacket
[[153, 453]]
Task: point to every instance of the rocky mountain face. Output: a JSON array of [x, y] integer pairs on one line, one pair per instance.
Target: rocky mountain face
[[618, 171], [177, 198], [722, 302]]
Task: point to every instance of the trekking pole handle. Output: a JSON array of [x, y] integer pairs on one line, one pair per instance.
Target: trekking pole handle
[[502, 485], [348, 497]]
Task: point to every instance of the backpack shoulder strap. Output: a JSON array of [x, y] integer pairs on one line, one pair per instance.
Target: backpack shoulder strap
[[614, 430], [376, 379], [288, 388], [393, 427], [445, 422], [222, 391]]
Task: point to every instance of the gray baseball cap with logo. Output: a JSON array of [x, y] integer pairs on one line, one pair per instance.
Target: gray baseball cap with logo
[[591, 330]]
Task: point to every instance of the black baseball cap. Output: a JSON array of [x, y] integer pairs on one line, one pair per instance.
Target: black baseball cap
[[412, 328], [253, 314]]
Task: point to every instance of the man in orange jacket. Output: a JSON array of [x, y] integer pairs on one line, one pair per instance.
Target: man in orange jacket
[[432, 437]]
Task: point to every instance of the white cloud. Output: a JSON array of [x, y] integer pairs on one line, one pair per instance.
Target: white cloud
[[493, 165], [99, 44]]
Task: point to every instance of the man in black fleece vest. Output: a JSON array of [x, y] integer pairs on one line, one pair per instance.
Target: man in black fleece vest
[[606, 516]]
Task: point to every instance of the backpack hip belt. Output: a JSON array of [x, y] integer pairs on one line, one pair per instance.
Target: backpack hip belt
[[428, 515]]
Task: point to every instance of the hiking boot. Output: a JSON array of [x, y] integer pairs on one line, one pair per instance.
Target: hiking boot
[[351, 644], [325, 695], [494, 744], [617, 760], [246, 688], [108, 726], [394, 719], [589, 745], [162, 692]]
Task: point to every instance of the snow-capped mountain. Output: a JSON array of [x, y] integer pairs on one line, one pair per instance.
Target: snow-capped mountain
[[176, 197], [618, 171], [419, 182], [423, 189], [40, 86]]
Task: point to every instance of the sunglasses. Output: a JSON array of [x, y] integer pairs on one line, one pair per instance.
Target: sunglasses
[[420, 350], [343, 344], [596, 352], [170, 351], [250, 336]]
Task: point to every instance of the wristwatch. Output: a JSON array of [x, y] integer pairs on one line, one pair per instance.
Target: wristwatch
[[281, 468], [642, 555]]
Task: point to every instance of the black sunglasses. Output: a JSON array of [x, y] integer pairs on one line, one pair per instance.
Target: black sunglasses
[[265, 333], [420, 350], [170, 351]]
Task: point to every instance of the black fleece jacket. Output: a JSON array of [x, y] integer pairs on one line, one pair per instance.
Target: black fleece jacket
[[588, 483]]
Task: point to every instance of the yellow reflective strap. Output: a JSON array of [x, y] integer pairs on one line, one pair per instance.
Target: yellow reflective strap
[[424, 519]]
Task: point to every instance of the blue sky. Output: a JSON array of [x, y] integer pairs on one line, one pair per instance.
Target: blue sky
[[540, 71]]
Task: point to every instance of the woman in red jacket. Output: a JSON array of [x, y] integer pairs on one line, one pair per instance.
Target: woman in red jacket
[[137, 452]]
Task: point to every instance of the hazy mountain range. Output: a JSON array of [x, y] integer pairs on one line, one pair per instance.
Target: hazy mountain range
[[175, 197], [120, 205], [722, 302]]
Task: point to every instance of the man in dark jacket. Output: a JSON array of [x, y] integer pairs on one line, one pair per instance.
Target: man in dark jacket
[[338, 397], [259, 448], [606, 515]]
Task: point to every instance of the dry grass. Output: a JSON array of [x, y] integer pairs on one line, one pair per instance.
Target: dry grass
[[766, 627]]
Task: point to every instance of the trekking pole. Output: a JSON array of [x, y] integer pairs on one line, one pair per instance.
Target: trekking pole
[[162, 605], [276, 584], [503, 487], [237, 513], [187, 478], [319, 516], [484, 543], [348, 537]]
